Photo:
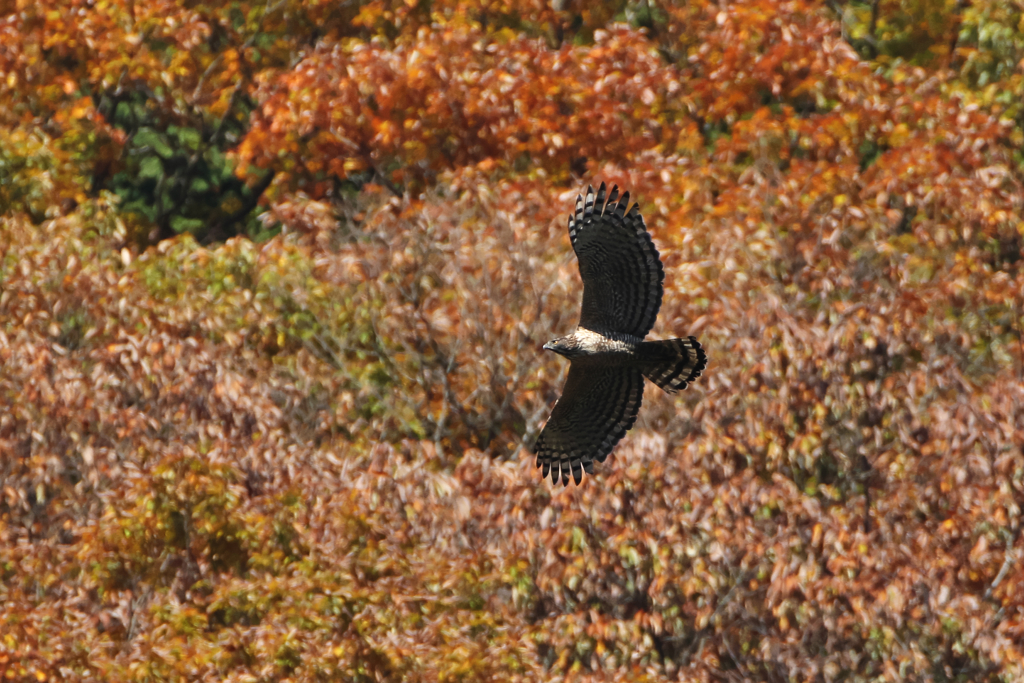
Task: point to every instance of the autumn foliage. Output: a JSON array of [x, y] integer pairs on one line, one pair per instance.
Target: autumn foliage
[[274, 279]]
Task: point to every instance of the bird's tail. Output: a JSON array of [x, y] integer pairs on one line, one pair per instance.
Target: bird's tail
[[672, 363]]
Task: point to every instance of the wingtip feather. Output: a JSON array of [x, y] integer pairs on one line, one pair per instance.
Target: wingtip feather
[[613, 196], [600, 201]]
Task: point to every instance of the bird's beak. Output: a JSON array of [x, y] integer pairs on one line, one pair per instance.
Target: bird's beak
[[548, 346]]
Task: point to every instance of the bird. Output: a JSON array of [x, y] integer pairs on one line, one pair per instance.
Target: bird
[[608, 358]]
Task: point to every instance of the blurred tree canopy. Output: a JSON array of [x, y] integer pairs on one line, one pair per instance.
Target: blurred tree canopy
[[274, 279]]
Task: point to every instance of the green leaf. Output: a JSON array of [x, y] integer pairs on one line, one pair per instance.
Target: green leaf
[[187, 137], [140, 207], [123, 114], [147, 137], [181, 224], [151, 168], [139, 109]]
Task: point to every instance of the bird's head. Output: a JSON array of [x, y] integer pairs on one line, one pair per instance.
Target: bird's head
[[564, 346]]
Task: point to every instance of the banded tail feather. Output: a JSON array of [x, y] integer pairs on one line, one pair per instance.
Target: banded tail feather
[[673, 363]]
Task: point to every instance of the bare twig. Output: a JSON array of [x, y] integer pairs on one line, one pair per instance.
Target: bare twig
[[1009, 557], [1015, 322], [386, 182], [872, 27], [133, 609]]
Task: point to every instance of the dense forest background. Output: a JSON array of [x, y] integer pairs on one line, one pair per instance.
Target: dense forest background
[[275, 278]]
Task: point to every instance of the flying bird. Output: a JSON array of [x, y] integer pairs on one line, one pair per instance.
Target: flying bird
[[608, 357]]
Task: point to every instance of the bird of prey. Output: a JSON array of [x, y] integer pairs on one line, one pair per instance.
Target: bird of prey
[[608, 357]]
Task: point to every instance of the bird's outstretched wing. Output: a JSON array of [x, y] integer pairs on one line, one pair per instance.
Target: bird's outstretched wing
[[621, 270], [598, 405]]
